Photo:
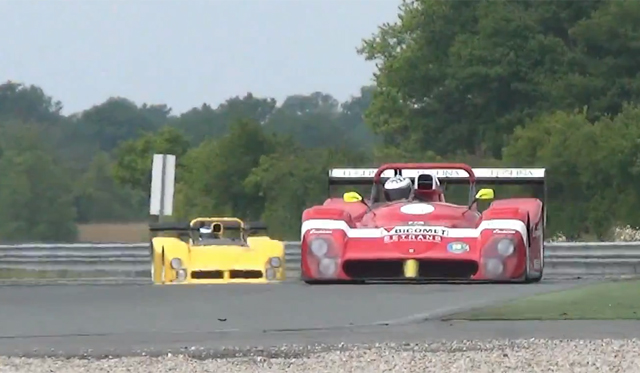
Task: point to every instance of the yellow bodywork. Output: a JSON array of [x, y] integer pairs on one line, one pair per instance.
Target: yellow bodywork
[[252, 259]]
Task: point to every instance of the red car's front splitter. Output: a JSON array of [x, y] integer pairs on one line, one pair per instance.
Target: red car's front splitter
[[407, 281]]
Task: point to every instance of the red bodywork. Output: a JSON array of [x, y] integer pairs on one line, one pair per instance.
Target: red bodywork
[[439, 240]]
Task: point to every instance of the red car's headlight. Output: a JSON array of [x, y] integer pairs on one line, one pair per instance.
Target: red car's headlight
[[500, 247], [325, 255], [506, 247], [319, 246], [498, 256]]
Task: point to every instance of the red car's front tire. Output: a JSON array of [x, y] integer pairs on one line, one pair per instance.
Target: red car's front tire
[[528, 279]]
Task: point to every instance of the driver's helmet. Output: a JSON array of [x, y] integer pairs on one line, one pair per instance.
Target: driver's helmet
[[428, 188], [427, 181], [207, 232], [398, 188]]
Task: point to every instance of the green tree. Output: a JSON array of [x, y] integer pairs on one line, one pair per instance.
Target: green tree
[[113, 122], [352, 120], [547, 142], [203, 123], [36, 202], [457, 75], [605, 60], [198, 124], [98, 198], [213, 180], [28, 104], [159, 114], [593, 169], [133, 158], [317, 102], [310, 129], [320, 121]]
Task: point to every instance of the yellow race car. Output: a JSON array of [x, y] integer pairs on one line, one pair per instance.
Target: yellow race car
[[215, 251]]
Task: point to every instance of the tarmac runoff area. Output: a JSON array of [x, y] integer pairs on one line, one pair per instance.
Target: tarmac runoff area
[[295, 328]]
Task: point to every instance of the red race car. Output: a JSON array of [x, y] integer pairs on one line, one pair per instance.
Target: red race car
[[405, 231]]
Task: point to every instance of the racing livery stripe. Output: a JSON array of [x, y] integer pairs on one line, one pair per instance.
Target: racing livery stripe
[[328, 224]]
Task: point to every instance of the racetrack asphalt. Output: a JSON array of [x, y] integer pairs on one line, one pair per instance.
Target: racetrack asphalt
[[131, 319]]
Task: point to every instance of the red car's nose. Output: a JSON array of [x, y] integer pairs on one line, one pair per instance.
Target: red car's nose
[[417, 248]]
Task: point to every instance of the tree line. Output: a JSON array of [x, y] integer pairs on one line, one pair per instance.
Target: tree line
[[94, 166], [526, 83]]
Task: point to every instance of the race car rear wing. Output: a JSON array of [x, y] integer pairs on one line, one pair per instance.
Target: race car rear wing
[[534, 177], [501, 176], [218, 225]]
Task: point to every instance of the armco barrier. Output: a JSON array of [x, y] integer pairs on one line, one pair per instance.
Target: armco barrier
[[125, 261], [131, 261], [592, 258]]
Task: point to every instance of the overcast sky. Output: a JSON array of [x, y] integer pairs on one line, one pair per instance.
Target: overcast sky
[[185, 53]]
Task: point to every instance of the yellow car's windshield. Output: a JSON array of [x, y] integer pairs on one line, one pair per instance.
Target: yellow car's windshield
[[229, 237]]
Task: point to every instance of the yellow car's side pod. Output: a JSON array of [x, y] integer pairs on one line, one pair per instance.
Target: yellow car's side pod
[[199, 253]]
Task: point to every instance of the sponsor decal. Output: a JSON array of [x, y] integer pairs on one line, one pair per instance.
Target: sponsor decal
[[412, 238], [511, 172], [504, 231], [414, 234], [417, 209], [320, 231], [354, 172], [417, 230], [457, 247]]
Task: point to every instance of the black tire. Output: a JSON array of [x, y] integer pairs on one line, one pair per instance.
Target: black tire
[[535, 280], [527, 278]]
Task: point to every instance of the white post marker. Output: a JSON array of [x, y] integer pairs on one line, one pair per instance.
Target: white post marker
[[163, 174]]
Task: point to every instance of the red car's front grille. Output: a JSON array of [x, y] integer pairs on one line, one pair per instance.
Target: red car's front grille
[[428, 269], [447, 269], [374, 269]]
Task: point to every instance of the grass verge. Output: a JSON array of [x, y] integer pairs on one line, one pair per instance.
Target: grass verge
[[604, 301]]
